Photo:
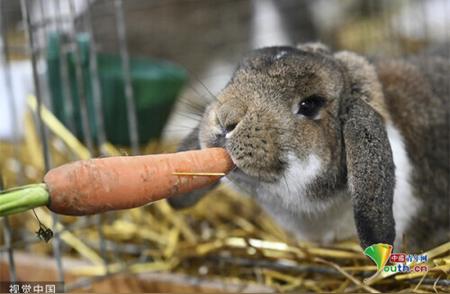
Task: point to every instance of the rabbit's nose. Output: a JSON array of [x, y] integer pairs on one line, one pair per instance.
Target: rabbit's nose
[[230, 127], [229, 117]]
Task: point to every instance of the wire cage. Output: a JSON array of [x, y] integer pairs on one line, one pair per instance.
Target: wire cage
[[59, 56]]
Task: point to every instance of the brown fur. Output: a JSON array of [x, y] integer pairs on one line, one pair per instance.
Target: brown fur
[[258, 108], [259, 98], [417, 93]]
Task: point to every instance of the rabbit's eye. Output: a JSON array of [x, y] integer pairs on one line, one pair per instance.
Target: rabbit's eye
[[311, 105]]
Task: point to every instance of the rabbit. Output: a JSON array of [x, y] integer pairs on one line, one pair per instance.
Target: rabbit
[[334, 146]]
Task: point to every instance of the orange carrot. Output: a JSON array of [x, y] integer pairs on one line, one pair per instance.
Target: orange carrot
[[103, 184]]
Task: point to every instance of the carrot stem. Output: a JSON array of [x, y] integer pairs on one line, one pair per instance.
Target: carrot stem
[[23, 198]]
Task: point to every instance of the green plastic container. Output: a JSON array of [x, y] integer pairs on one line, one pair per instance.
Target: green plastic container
[[156, 85]]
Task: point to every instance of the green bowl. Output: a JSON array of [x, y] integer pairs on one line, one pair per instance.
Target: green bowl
[[156, 85]]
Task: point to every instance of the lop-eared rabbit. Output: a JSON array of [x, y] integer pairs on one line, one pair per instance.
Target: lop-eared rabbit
[[333, 146]]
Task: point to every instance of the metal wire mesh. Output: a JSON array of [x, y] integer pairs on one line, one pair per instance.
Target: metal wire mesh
[[37, 23]]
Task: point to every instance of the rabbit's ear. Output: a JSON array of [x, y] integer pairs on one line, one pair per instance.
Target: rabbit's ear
[[370, 166], [191, 142]]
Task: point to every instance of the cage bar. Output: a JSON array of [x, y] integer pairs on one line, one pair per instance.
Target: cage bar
[[129, 95]]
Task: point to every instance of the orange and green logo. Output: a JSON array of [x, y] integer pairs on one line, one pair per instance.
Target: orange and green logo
[[381, 254]]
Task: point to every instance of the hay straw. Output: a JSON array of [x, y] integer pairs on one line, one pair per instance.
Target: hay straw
[[59, 130], [32, 143], [347, 275], [69, 238], [225, 236]]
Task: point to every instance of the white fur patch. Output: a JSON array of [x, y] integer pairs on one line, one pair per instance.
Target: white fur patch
[[290, 189], [405, 204], [323, 221]]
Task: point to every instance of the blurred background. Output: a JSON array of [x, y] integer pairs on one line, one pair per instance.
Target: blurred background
[[131, 77]]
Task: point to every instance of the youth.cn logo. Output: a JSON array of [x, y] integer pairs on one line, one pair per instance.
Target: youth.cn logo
[[381, 254]]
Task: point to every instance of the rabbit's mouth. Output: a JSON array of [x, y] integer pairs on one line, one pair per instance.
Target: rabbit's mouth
[[256, 157], [252, 169]]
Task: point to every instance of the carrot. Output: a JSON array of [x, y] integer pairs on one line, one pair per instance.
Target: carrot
[[98, 185], [102, 184]]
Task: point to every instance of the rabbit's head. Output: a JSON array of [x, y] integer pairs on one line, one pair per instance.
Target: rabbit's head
[[315, 110]]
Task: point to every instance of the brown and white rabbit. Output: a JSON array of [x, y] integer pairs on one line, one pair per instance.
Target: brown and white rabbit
[[334, 146]]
